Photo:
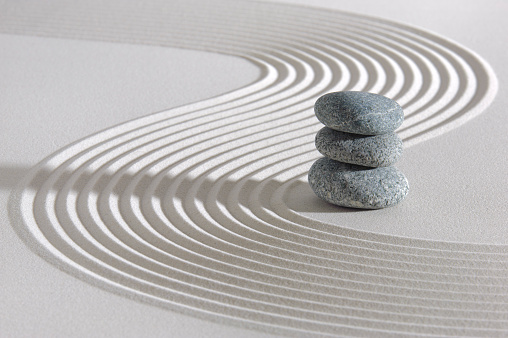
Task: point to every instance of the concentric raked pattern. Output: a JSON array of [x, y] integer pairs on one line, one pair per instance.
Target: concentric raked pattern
[[185, 209]]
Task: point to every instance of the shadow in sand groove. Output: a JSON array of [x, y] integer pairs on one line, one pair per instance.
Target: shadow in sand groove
[[10, 175]]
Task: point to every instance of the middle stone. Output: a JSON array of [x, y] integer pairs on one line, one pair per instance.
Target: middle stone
[[371, 151]]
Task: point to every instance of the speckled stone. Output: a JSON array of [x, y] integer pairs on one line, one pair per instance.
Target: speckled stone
[[359, 113], [354, 186], [367, 150]]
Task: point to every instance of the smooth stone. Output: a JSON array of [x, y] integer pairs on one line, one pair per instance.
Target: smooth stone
[[354, 186], [359, 113], [367, 150]]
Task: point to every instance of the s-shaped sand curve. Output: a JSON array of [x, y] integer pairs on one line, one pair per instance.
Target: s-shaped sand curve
[[186, 208]]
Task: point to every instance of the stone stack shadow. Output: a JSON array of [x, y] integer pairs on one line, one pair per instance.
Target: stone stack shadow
[[360, 147]]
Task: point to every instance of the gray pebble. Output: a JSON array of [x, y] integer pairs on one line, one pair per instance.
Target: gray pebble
[[371, 151], [353, 186], [359, 113]]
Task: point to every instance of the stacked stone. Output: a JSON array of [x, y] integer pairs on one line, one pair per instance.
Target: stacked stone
[[360, 147]]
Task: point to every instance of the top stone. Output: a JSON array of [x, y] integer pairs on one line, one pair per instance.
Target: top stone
[[359, 113]]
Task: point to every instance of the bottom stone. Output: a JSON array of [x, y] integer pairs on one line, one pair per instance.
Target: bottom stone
[[355, 186]]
